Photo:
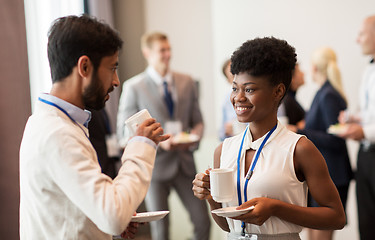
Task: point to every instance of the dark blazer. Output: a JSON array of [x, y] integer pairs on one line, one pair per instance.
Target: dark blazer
[[324, 112], [142, 92], [98, 130]]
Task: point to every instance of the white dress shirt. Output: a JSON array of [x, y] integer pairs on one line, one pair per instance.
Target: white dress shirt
[[367, 104]]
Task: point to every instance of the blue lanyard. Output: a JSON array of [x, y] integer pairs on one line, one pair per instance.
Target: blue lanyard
[[65, 112], [250, 173]]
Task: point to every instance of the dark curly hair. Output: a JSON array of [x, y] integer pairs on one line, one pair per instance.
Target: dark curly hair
[[269, 57], [71, 37]]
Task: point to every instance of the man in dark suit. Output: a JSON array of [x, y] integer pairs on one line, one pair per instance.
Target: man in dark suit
[[172, 99]]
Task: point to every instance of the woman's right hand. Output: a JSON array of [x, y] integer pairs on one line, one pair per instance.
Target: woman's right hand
[[201, 185]]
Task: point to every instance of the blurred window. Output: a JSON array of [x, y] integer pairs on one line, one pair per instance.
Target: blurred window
[[39, 15]]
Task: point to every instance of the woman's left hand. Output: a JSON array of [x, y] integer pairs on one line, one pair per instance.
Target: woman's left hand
[[262, 211]]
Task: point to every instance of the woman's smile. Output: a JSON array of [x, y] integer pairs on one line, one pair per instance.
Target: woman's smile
[[241, 109]]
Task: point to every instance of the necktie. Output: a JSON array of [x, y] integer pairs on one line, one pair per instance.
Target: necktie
[[168, 99]]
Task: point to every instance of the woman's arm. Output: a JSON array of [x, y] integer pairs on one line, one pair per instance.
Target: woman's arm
[[309, 166], [201, 186]]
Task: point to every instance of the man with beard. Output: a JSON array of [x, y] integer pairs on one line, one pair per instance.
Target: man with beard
[[64, 195]]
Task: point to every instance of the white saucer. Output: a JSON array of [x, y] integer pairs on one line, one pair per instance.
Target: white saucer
[[231, 211], [149, 216]]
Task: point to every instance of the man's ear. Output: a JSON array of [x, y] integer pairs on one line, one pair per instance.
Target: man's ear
[[85, 66], [145, 52]]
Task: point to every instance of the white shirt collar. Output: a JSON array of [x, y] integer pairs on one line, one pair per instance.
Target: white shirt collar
[[250, 144], [157, 78], [77, 114]]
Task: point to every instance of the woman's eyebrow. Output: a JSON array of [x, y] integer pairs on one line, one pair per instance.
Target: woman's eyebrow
[[247, 83]]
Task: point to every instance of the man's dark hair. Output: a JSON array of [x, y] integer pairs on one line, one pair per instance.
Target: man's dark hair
[[71, 37], [269, 57]]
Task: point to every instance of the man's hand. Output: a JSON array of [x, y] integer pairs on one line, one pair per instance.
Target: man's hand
[[152, 130], [166, 145], [347, 117], [353, 131]]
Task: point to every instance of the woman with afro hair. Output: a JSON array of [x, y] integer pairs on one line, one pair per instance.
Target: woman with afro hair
[[274, 168]]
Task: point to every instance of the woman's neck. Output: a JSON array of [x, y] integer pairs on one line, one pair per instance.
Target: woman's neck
[[259, 128], [320, 79]]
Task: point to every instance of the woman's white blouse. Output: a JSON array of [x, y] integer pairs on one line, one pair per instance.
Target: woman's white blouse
[[274, 177]]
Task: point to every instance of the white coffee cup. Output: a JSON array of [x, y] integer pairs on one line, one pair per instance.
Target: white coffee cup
[[221, 184], [134, 121]]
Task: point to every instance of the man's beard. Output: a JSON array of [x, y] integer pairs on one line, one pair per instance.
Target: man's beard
[[94, 96]]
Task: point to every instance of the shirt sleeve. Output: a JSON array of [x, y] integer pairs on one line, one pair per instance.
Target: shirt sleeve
[[369, 132], [143, 139], [108, 203]]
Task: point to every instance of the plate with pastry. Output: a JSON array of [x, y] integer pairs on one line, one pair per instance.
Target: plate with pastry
[[185, 137], [337, 129], [149, 216]]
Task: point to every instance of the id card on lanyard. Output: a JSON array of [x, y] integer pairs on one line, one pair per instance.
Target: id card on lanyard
[[251, 171]]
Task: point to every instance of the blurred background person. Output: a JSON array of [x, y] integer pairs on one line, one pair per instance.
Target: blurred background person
[[324, 111], [230, 125], [361, 128], [290, 111], [172, 99]]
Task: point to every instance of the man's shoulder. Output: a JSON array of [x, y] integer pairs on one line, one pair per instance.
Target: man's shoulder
[[52, 128], [184, 81], [182, 76], [329, 93]]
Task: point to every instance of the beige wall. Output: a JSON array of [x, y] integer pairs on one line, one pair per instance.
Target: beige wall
[[129, 21], [188, 26], [14, 107]]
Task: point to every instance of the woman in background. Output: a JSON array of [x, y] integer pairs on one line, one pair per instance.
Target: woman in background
[[324, 111]]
